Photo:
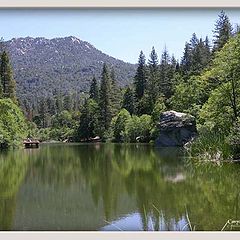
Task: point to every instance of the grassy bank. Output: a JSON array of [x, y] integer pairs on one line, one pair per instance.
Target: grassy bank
[[211, 146]]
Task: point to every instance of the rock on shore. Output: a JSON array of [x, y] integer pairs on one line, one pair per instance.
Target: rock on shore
[[175, 129]]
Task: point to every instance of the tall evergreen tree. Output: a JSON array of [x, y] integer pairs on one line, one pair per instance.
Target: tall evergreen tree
[[197, 55], [115, 94], [222, 32], [88, 126], [197, 63], [94, 90], [153, 79], [140, 78], [167, 70], [186, 59], [2, 45], [8, 83], [128, 101], [1, 89], [153, 60], [105, 99], [194, 41]]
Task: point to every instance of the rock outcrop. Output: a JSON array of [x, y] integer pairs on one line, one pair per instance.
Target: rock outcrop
[[176, 129]]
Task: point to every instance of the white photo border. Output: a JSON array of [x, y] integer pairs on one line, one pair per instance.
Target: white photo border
[[118, 3]]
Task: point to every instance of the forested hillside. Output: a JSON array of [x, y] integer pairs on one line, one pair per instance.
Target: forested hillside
[[43, 67]]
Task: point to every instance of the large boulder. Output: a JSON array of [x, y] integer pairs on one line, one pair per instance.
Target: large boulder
[[175, 129]]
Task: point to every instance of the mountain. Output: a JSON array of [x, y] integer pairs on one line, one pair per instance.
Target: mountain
[[43, 66]]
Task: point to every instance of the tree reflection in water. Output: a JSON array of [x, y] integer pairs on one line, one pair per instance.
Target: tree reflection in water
[[113, 187]]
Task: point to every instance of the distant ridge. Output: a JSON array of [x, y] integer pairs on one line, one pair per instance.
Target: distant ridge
[[43, 66]]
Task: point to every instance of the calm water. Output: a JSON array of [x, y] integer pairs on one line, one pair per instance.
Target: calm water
[[114, 187]]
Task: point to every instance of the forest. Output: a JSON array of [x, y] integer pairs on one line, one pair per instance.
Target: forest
[[204, 83]]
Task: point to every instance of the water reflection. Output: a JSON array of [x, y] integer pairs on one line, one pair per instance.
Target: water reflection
[[13, 167], [134, 222], [114, 187]]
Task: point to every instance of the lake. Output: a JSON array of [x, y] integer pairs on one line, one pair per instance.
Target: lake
[[114, 187]]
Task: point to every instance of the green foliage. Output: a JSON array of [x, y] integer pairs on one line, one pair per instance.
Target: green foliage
[[128, 101], [1, 89], [8, 84], [140, 79], [153, 78], [94, 90], [63, 119], [12, 123], [196, 56], [118, 125], [89, 125], [44, 134], [234, 137], [189, 96], [159, 107], [166, 75], [138, 128], [105, 103], [116, 95], [217, 113], [211, 146], [222, 32], [223, 106]]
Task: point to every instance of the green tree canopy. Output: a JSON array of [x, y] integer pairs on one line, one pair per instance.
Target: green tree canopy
[[89, 124], [105, 102], [222, 32], [8, 83], [94, 90], [12, 123]]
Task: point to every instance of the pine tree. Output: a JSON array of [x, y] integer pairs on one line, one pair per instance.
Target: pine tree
[[153, 61], [207, 45], [8, 83], [1, 89], [167, 71], [196, 52], [186, 59], [153, 79], [128, 100], [194, 41], [115, 94], [140, 78], [2, 45], [94, 90], [105, 99], [88, 126], [197, 55], [222, 32]]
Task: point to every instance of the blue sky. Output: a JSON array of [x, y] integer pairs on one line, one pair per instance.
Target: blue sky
[[119, 33]]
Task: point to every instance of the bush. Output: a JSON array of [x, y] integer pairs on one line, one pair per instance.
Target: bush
[[138, 129], [118, 125]]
